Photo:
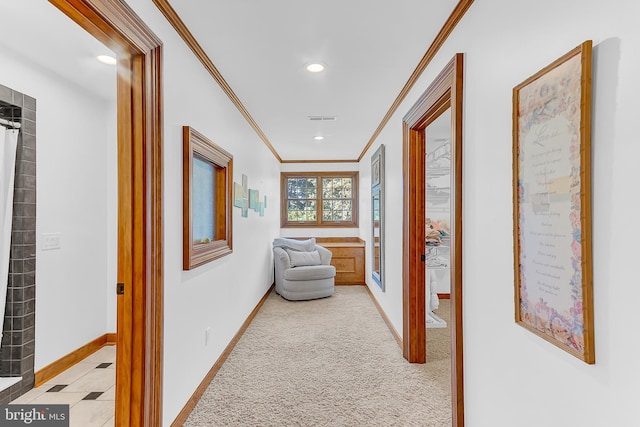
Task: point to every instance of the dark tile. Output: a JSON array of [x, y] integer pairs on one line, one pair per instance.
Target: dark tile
[[30, 102], [16, 338], [27, 362], [29, 293], [14, 367], [25, 181], [28, 350], [6, 94], [29, 334], [17, 266], [17, 237], [17, 251], [56, 388], [29, 278], [29, 237], [16, 353], [29, 264], [24, 167], [93, 395], [28, 114], [28, 154], [17, 323], [29, 127], [29, 141], [15, 309], [16, 279], [103, 365], [20, 195], [18, 99], [24, 209], [17, 294], [29, 320], [30, 307]]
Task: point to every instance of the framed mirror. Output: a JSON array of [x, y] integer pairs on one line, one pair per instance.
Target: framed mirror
[[377, 216]]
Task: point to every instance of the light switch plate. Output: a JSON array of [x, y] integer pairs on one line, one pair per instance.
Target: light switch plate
[[51, 241]]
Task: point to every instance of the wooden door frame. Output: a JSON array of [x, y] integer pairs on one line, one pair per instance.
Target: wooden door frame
[[139, 104], [444, 92]]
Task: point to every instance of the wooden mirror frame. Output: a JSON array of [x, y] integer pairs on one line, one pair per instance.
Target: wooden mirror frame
[[377, 191], [445, 92], [140, 251]]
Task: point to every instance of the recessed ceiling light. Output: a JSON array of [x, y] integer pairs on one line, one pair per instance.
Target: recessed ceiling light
[[318, 138], [316, 67], [106, 59]]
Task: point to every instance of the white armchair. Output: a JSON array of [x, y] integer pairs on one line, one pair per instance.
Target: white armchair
[[302, 269]]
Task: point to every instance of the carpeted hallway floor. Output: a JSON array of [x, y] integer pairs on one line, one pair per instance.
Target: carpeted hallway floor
[[327, 362]]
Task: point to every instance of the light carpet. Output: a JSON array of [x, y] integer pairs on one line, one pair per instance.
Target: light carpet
[[326, 362]]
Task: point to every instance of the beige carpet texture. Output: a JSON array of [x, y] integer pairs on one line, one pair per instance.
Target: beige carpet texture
[[327, 362]]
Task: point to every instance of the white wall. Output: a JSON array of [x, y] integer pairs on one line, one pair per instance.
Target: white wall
[[73, 140], [221, 294], [512, 377], [320, 232]]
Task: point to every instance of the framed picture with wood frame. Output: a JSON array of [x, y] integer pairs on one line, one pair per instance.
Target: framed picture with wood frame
[[206, 198], [552, 203]]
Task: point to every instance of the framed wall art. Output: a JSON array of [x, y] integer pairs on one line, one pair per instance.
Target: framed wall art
[[552, 203], [206, 199]]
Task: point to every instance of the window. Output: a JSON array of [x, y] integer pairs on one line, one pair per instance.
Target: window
[[207, 182], [319, 199]]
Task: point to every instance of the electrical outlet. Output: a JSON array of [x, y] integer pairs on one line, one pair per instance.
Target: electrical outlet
[[51, 241], [207, 333]]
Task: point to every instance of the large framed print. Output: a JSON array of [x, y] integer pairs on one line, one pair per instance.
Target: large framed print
[[552, 203]]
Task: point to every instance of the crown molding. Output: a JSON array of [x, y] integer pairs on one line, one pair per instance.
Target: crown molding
[[319, 161], [181, 28], [455, 17]]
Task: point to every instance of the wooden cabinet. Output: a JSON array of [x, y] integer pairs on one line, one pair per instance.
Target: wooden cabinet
[[348, 258]]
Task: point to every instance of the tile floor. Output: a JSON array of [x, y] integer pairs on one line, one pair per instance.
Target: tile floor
[[88, 387]]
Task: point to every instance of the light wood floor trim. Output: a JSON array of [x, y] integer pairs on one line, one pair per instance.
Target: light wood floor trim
[[193, 400], [65, 362], [174, 19], [455, 17], [386, 319]]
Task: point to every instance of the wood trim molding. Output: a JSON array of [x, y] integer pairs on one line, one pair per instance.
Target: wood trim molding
[[444, 296], [65, 362], [140, 249], [455, 17], [197, 395], [174, 19], [112, 338], [386, 319], [446, 91], [320, 161]]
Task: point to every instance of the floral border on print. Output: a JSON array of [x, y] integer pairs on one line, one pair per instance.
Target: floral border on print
[[556, 94]]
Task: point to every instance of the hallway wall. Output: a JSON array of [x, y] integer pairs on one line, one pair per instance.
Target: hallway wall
[[512, 377], [221, 294]]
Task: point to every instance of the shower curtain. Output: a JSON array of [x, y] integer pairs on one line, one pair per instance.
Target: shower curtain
[[8, 147]]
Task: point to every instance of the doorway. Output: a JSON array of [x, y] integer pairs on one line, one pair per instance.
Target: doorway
[[443, 94], [140, 254]]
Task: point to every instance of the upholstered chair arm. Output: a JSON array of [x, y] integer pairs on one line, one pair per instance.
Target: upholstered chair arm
[[282, 258], [325, 254]]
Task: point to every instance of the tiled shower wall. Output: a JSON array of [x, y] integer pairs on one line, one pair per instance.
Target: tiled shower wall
[[18, 340]]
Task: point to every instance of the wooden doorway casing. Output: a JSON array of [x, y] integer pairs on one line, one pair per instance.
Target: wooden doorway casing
[[140, 308], [445, 92]]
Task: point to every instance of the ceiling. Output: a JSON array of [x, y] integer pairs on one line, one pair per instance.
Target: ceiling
[[64, 49], [261, 48]]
